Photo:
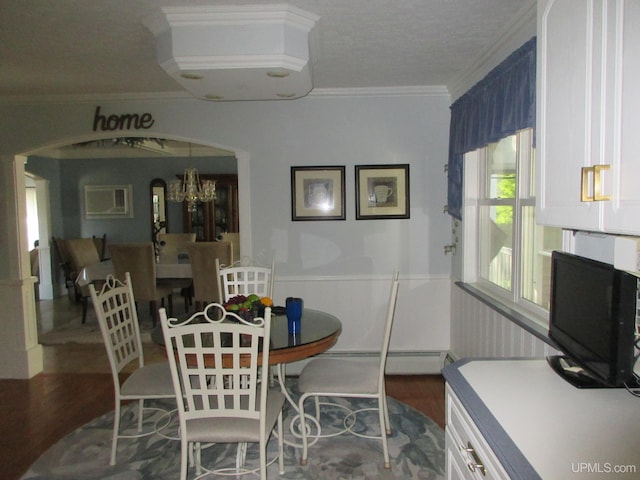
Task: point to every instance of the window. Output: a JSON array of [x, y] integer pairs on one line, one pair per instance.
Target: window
[[514, 254]]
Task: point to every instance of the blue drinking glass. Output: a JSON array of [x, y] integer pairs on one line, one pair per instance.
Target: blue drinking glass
[[294, 314]]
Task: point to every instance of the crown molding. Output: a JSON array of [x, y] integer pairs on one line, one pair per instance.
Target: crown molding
[[93, 98], [420, 90], [423, 90]]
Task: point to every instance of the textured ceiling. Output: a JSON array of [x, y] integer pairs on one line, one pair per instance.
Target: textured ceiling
[[102, 48]]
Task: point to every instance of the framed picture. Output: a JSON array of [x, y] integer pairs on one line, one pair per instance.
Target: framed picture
[[317, 193], [382, 191]]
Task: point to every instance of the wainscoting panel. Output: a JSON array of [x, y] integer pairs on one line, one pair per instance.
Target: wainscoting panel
[[479, 331], [421, 328]]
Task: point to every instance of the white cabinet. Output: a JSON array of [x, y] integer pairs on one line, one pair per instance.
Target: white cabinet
[[588, 110], [468, 455]]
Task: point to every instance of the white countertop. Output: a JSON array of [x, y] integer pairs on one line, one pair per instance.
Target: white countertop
[[561, 430]]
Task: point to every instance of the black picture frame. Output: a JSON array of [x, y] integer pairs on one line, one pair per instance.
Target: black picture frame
[[382, 192], [317, 193]]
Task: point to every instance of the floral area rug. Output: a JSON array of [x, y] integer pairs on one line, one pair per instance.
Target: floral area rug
[[416, 448]]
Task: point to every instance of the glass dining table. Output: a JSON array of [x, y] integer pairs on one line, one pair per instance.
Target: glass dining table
[[319, 331]]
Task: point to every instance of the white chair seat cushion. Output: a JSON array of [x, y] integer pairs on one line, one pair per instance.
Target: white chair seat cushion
[[330, 375], [229, 430], [153, 380]]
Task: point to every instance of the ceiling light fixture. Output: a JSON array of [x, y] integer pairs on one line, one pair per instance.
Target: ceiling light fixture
[[239, 52], [190, 189]]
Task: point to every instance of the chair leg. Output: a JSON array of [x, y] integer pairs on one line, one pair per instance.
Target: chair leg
[[198, 457], [317, 403], [386, 415], [280, 445], [184, 450], [116, 429], [383, 431], [154, 312], [140, 414], [77, 293], [84, 301], [187, 295], [241, 455], [303, 431]]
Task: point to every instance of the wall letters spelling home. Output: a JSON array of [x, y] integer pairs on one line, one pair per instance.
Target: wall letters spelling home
[[126, 121]]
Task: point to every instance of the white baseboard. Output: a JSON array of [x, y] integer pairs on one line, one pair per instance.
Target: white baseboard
[[398, 363]]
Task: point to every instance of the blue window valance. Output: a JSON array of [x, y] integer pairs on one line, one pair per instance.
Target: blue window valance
[[500, 104]]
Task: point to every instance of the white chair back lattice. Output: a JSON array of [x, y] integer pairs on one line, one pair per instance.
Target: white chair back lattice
[[245, 279], [214, 358]]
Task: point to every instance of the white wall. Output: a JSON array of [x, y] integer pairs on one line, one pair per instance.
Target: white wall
[[273, 136]]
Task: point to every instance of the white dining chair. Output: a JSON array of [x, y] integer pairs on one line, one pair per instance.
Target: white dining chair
[[216, 377], [116, 311], [333, 377], [244, 278]]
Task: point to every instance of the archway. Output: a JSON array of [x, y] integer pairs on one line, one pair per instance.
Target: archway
[[22, 356]]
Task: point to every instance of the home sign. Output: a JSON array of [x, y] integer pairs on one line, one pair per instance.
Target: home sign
[[124, 121]]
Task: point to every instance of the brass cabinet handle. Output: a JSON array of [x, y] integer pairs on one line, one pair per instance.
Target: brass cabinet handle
[[596, 173], [597, 183], [584, 185]]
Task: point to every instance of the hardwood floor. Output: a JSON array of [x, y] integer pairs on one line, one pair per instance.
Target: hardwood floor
[[76, 387], [425, 393]]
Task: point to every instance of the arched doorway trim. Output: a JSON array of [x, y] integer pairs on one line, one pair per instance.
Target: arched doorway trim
[[24, 357]]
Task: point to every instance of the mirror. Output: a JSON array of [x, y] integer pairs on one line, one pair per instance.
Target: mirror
[[158, 192]]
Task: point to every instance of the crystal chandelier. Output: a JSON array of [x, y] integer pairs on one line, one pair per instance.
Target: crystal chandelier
[[191, 189]]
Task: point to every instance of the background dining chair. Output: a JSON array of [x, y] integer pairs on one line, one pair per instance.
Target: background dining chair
[[101, 246], [118, 320], [332, 377], [34, 261], [234, 238], [64, 260], [206, 283], [82, 252], [243, 279], [139, 260], [172, 249], [215, 369], [171, 245]]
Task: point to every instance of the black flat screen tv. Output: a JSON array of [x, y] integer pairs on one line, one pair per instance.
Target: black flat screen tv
[[592, 320]]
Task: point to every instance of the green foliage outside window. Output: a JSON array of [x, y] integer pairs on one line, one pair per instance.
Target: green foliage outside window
[[506, 189]]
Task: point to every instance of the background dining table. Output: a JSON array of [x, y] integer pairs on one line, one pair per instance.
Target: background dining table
[[101, 270]]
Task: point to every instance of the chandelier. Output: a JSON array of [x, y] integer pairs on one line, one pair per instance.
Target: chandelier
[[191, 189]]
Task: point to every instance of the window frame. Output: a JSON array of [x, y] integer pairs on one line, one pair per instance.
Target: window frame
[[475, 182]]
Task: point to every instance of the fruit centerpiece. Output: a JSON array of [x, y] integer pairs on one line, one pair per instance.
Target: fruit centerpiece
[[248, 307]]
